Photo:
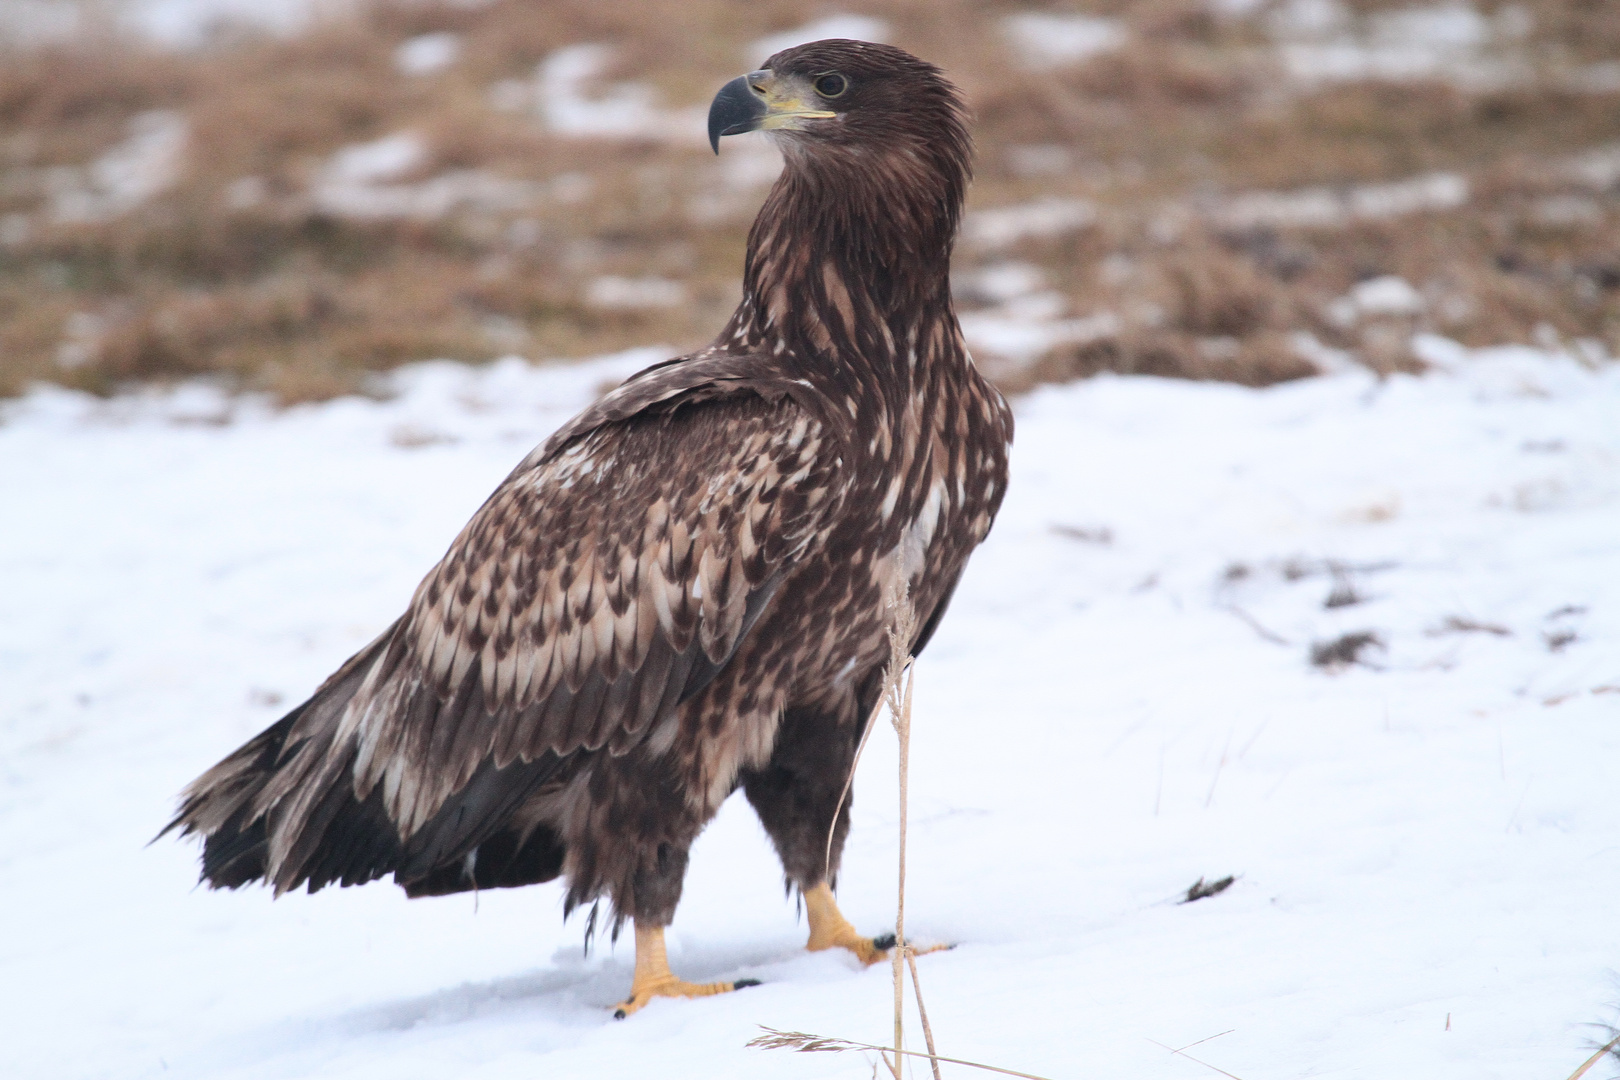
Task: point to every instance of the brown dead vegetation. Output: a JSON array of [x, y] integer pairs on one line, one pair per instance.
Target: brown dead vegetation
[[237, 268]]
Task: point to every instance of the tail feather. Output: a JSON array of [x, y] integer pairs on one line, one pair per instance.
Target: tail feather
[[218, 807], [283, 808], [348, 841]]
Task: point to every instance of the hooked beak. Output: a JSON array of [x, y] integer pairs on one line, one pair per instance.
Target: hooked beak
[[761, 101]]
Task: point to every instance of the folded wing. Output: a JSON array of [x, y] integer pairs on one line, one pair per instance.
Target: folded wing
[[610, 577]]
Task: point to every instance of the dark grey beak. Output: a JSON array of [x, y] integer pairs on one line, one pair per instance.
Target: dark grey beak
[[736, 109]]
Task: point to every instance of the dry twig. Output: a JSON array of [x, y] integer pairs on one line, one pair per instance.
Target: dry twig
[[809, 1044], [897, 690], [871, 722], [928, 1031], [1595, 1058], [1183, 1053]]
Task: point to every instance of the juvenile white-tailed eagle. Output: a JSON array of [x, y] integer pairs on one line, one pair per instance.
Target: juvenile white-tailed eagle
[[683, 591]]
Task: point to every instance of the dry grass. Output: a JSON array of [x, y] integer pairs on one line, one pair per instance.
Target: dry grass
[[239, 268], [805, 1043], [1603, 1051]]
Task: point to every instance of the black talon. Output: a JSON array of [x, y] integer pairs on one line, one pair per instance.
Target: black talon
[[883, 942], [743, 984], [619, 1014]]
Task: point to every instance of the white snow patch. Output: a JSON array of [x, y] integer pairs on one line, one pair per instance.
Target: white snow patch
[[1326, 207], [1046, 39], [1328, 360], [630, 293], [1602, 77], [427, 54], [1597, 168], [1040, 159], [1432, 191], [1567, 211], [1022, 333], [1425, 836], [567, 94], [359, 181], [1386, 295], [1314, 206], [176, 24], [188, 24], [39, 22], [746, 164], [997, 283], [387, 158], [146, 163], [1321, 41], [852, 27], [750, 163], [429, 199], [246, 192], [1004, 226], [81, 340]]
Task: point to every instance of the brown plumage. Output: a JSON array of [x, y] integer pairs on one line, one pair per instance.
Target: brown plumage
[[683, 590]]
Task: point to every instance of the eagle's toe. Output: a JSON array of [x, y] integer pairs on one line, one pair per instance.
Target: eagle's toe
[[669, 986]]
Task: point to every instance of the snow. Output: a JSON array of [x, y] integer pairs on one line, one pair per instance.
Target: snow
[[565, 94], [175, 24], [1333, 206], [1386, 295], [1425, 841], [1602, 77], [145, 164], [1047, 40], [427, 54], [185, 24], [1321, 42], [1023, 329], [39, 22], [1598, 168], [1003, 226], [363, 181], [387, 158], [622, 293], [998, 282]]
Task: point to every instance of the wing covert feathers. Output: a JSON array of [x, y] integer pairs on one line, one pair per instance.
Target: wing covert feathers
[[609, 577]]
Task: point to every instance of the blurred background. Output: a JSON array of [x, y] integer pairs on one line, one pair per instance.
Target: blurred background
[[294, 197]]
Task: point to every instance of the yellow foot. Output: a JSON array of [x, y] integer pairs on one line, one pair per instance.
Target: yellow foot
[[654, 979], [670, 986], [829, 930]]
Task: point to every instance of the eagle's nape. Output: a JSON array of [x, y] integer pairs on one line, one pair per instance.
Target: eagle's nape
[[685, 590]]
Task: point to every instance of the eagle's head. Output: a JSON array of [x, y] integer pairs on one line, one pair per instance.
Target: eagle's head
[[876, 165], [853, 96]]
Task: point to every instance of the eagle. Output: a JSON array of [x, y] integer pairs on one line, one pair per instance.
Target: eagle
[[686, 589]]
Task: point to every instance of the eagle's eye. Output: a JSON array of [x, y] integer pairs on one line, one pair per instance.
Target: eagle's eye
[[830, 86]]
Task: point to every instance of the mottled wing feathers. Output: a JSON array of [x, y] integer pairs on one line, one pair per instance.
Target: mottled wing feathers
[[687, 380], [604, 582]]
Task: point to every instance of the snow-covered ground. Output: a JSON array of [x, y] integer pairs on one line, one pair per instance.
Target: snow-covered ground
[[1121, 701]]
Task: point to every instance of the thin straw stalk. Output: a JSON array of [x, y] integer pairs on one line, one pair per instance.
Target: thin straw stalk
[[814, 1044]]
